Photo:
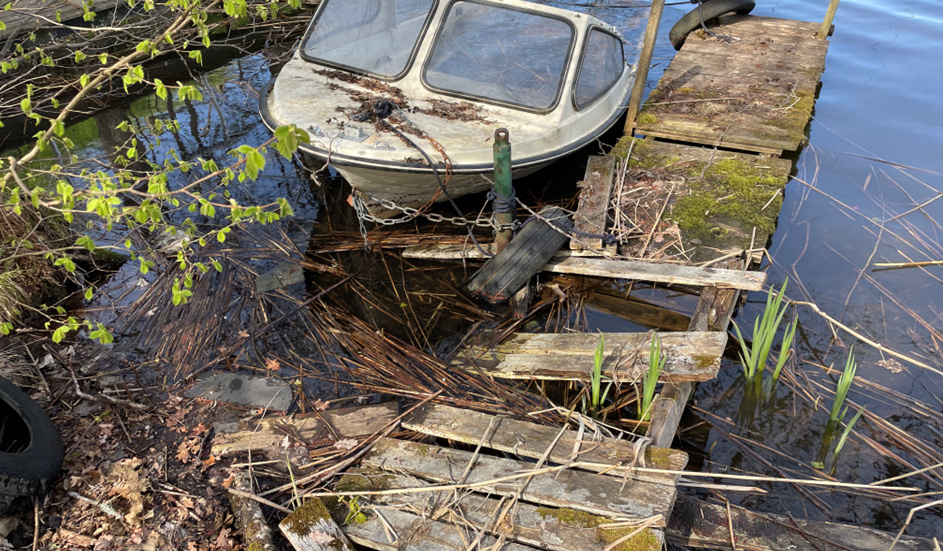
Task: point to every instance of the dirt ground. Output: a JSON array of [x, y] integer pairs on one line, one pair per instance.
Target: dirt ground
[[138, 474]]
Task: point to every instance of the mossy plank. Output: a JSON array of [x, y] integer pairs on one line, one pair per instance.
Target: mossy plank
[[569, 356], [543, 527], [311, 528], [723, 202], [592, 493], [531, 440], [309, 430]]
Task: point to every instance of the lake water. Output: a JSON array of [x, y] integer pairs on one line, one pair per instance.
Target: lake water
[[875, 153]]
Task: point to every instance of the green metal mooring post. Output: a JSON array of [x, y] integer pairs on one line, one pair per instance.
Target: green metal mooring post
[[503, 210]]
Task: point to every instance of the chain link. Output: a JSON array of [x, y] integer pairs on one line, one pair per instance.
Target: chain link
[[412, 213]]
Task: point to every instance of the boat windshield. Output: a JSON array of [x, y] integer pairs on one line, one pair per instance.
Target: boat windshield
[[500, 54], [369, 36]]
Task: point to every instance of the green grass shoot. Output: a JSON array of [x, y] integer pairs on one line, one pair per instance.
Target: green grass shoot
[[845, 433], [656, 362], [597, 396], [754, 356], [844, 384]]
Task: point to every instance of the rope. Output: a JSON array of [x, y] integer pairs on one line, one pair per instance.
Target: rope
[[710, 33]]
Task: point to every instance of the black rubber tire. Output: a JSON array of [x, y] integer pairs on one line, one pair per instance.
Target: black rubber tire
[[30, 447], [711, 9]]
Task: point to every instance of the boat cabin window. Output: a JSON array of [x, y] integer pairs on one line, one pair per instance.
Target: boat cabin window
[[500, 54], [376, 37], [602, 65]]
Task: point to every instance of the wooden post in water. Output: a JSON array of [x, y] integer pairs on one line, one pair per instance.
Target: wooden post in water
[[644, 62], [827, 23], [503, 210]]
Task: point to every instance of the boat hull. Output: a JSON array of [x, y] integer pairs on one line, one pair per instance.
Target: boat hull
[[382, 187]]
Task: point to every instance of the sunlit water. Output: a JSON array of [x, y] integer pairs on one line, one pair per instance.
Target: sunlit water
[[879, 99]]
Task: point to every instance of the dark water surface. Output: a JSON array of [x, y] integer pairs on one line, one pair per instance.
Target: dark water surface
[[879, 100]]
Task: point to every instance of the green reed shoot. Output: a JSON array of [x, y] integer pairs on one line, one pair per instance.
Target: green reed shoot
[[656, 362], [754, 356], [597, 396], [844, 384], [846, 432]]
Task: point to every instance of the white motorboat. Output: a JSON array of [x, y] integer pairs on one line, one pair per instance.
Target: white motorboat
[[404, 96]]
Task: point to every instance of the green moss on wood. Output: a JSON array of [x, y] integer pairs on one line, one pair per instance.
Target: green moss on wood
[[659, 458], [646, 540], [571, 517], [647, 119], [703, 362], [306, 517]]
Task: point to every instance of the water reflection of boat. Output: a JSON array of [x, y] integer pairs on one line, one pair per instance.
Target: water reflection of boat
[[387, 89]]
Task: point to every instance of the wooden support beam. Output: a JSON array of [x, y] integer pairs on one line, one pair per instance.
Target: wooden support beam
[[712, 313], [827, 22], [595, 189], [591, 493], [644, 62], [531, 440], [569, 356]]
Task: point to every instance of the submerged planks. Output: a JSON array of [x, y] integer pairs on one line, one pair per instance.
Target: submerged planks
[[690, 356], [754, 93]]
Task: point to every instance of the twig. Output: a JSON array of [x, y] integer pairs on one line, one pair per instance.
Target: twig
[[83, 395]]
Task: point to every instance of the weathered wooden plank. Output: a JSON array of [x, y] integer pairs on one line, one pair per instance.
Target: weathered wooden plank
[[323, 428], [584, 491], [658, 273], [595, 189], [696, 523], [616, 268], [311, 528], [569, 356], [768, 24], [543, 527], [402, 531], [531, 440]]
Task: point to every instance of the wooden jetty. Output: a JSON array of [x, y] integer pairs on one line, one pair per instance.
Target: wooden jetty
[[692, 213]]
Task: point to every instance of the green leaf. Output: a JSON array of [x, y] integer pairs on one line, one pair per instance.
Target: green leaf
[[196, 55], [79, 56], [103, 59], [66, 263], [288, 139], [26, 105], [101, 334], [58, 128], [3, 27], [88, 294], [160, 89]]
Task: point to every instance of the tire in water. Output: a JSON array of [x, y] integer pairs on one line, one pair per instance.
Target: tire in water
[[710, 9], [30, 447]]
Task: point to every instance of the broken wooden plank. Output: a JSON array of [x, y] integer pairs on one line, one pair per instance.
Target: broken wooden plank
[[584, 491], [639, 270], [595, 190], [311, 528], [323, 428], [696, 523], [256, 532], [543, 527], [569, 356], [531, 440], [509, 270]]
